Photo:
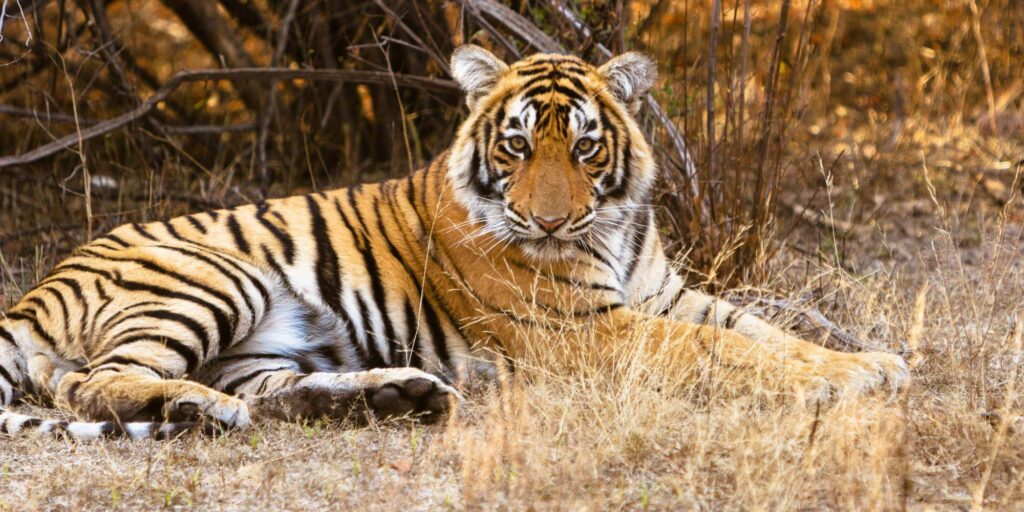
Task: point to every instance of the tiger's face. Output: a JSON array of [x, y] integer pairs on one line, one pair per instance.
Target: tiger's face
[[551, 157]]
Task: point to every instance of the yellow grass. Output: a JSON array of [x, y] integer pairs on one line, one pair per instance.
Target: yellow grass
[[578, 436]]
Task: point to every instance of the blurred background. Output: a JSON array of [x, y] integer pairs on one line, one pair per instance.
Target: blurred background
[[815, 126]]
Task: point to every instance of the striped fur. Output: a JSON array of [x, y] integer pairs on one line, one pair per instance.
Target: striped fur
[[376, 299]]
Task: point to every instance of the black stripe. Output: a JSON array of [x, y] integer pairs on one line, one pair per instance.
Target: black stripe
[[38, 301], [437, 335], [100, 290], [193, 326], [223, 325], [230, 387], [236, 233], [8, 337], [157, 290], [374, 357], [127, 361], [637, 244], [224, 271], [563, 279], [10, 380], [732, 318], [328, 273], [101, 244], [171, 230], [116, 239], [329, 353], [141, 230], [79, 267], [196, 224], [599, 310], [37, 328], [63, 310], [183, 350], [112, 430], [413, 357], [106, 325], [377, 286], [703, 316], [373, 271], [76, 289], [236, 357], [278, 269], [286, 241], [675, 300]]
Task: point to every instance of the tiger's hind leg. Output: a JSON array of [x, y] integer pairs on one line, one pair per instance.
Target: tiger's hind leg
[[142, 386], [279, 388]]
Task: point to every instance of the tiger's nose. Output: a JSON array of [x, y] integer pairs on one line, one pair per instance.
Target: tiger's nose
[[549, 224]]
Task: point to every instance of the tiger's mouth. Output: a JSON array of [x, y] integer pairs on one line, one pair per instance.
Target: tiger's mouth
[[549, 248]]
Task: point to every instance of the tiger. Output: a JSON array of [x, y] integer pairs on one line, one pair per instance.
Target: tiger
[[381, 300]]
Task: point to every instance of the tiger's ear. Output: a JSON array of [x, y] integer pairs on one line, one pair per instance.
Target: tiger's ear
[[629, 77], [476, 70]]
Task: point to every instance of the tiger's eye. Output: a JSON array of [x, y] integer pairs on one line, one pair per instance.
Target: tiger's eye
[[517, 143], [585, 145]]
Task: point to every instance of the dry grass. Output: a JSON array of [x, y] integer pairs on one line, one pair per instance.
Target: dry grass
[[629, 436], [918, 244]]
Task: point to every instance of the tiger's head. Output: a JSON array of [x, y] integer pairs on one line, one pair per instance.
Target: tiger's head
[[551, 156]]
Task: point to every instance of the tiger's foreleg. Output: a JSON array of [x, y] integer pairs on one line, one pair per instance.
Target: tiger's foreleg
[[792, 366], [278, 388]]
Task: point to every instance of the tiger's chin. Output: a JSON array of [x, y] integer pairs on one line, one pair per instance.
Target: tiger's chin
[[548, 249]]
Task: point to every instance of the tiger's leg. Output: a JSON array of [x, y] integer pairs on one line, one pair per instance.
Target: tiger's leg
[[862, 370], [745, 362], [162, 312], [142, 381], [286, 388]]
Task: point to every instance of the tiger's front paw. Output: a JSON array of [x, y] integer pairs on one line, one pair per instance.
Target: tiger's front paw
[[409, 391], [853, 374]]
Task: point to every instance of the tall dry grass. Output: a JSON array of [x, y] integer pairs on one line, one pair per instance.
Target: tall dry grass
[[627, 433]]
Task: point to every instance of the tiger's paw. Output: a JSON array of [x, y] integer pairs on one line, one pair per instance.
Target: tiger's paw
[[225, 411], [358, 396], [849, 374], [409, 391]]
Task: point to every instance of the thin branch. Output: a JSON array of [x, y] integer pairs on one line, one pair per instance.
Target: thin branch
[[263, 74], [441, 62], [519, 25], [270, 104]]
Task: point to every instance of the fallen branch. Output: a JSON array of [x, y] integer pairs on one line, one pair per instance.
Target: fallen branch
[[339, 75], [199, 129]]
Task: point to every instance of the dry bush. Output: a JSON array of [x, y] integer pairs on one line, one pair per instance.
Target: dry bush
[[224, 141]]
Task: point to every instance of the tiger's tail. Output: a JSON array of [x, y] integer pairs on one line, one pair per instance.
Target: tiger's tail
[[13, 424], [14, 382]]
